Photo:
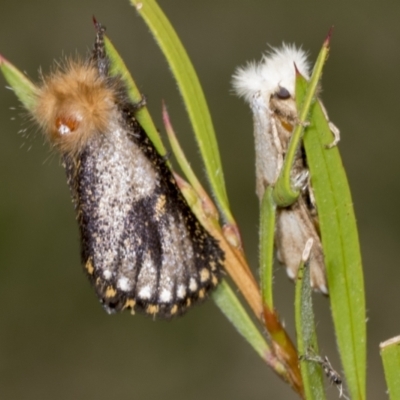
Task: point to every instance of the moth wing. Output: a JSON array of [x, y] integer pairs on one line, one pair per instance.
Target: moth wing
[[142, 247], [294, 227], [266, 142]]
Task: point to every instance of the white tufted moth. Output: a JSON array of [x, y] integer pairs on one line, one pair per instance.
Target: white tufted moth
[[142, 247], [269, 88]]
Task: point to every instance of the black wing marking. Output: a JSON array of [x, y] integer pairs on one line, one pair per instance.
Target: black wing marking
[[142, 247]]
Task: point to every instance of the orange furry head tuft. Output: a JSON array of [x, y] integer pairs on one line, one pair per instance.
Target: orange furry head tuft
[[73, 104]]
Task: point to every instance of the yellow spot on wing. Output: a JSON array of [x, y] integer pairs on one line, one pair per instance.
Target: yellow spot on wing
[[110, 292], [204, 275], [89, 266], [174, 310], [152, 309], [214, 280], [130, 303]]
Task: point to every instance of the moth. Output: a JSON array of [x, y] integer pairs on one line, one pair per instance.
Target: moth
[[269, 88], [325, 364], [141, 246]]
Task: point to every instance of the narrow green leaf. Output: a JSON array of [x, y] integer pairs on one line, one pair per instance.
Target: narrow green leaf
[[118, 67], [284, 195], [390, 353], [306, 336], [229, 304], [338, 232], [23, 88], [267, 233], [192, 94], [341, 247]]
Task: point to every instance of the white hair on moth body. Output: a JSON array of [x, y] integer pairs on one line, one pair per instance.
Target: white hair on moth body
[[275, 70]]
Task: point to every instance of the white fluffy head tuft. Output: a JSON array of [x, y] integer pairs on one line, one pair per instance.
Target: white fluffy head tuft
[[247, 80], [276, 69]]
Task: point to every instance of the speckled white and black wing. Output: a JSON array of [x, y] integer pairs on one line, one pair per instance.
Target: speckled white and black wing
[[142, 247]]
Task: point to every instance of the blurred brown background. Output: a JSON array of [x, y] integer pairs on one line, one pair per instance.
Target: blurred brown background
[[56, 342]]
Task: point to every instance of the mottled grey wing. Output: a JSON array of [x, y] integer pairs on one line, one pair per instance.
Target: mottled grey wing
[[142, 247]]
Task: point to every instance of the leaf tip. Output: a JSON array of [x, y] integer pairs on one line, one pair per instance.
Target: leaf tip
[[165, 116], [3, 61], [297, 72], [327, 41]]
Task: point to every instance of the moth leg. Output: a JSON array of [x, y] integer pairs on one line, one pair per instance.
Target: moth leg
[[141, 103], [336, 134], [304, 124], [334, 129], [312, 202], [302, 180], [167, 156]]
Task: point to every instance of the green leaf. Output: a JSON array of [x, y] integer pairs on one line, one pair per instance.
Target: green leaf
[[193, 96], [390, 353], [23, 88], [306, 335], [284, 195], [229, 304], [267, 233], [341, 246], [338, 232]]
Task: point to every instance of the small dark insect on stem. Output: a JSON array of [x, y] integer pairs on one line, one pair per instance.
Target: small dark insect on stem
[[330, 373]]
